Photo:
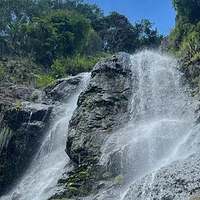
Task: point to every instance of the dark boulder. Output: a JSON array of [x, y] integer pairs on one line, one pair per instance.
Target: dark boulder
[[63, 88], [23, 123], [10, 94], [102, 109], [21, 132]]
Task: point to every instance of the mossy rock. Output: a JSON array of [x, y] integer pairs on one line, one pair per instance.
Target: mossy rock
[[118, 178], [106, 175]]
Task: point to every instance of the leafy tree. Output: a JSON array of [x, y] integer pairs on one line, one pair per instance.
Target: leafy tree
[[93, 45], [92, 12], [59, 34], [117, 33], [17, 13], [13, 14], [148, 37], [188, 10], [69, 34]]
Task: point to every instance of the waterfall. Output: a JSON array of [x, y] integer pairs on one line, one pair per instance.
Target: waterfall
[[39, 181], [162, 117], [160, 131], [161, 120]]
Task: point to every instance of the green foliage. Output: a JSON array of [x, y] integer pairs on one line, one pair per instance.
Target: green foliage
[[14, 13], [185, 41], [190, 46], [80, 177], [187, 10], [58, 34], [47, 29], [19, 71], [92, 12], [17, 105], [3, 71], [73, 191], [59, 68], [43, 80], [106, 175], [118, 178], [93, 45], [147, 36], [196, 57], [26, 72], [178, 33], [73, 65], [184, 38], [118, 34], [48, 39], [5, 135], [35, 96]]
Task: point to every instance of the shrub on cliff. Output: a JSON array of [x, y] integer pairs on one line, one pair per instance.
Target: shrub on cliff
[[185, 37], [74, 65], [185, 41], [19, 71]]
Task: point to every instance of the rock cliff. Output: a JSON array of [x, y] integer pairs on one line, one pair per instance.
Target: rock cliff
[[21, 132], [94, 134], [102, 109], [24, 123]]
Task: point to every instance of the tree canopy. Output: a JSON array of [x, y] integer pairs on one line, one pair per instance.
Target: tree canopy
[[188, 10], [58, 34], [55, 32], [46, 30], [118, 34]]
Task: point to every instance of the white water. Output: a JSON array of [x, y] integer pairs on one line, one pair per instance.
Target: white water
[[41, 178], [162, 117]]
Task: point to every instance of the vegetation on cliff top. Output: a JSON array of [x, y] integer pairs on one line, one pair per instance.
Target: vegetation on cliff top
[[186, 34], [185, 38], [63, 38]]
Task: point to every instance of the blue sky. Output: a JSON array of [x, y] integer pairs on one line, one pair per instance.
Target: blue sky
[[160, 12]]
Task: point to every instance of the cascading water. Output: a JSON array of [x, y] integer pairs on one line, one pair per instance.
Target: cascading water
[[41, 178], [158, 133], [162, 117]]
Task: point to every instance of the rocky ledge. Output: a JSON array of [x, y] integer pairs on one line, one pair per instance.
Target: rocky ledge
[[102, 109], [21, 132], [25, 116]]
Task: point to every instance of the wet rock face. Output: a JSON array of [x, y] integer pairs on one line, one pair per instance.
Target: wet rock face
[[165, 45], [23, 124], [195, 197], [102, 107], [63, 88], [180, 180], [10, 93], [21, 131]]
